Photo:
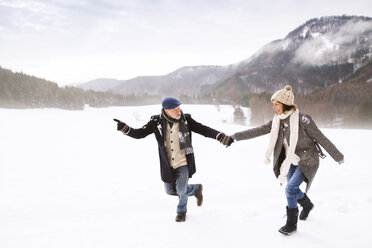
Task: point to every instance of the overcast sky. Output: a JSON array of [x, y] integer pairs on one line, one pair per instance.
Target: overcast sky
[[74, 41]]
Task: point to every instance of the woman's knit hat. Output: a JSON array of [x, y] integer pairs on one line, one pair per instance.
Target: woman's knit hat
[[284, 96]]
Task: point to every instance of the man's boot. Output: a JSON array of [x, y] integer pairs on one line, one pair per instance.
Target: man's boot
[[199, 195], [180, 217], [291, 225], [307, 206]]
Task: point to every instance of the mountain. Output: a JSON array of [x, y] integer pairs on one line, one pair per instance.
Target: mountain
[[186, 80], [354, 90], [349, 103], [319, 53], [101, 84]]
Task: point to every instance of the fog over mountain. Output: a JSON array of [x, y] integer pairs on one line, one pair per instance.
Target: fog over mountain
[[101, 84], [326, 45]]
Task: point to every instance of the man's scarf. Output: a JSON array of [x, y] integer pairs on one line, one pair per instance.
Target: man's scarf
[[183, 134], [293, 138]]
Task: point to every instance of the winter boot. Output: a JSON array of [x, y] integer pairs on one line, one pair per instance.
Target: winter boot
[[307, 206], [291, 225], [180, 217], [199, 195]]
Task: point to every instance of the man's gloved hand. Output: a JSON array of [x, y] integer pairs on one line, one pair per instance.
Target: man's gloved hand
[[122, 126], [220, 137], [224, 139]]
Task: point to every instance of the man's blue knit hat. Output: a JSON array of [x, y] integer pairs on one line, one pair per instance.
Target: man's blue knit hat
[[170, 103]]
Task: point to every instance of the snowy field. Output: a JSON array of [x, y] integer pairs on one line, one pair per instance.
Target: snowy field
[[68, 179]]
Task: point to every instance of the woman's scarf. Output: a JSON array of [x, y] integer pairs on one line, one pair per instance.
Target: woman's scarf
[[293, 138], [183, 134]]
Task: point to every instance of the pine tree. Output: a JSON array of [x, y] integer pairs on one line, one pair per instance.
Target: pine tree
[[239, 116]]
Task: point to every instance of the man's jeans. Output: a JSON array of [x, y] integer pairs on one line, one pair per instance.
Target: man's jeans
[[181, 188], [294, 179]]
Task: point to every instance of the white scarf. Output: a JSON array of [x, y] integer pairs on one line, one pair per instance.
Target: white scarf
[[293, 138]]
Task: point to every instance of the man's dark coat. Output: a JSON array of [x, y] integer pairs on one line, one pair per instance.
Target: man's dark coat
[[157, 125]]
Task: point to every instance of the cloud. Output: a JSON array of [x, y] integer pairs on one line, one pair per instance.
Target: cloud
[[336, 46], [177, 32]]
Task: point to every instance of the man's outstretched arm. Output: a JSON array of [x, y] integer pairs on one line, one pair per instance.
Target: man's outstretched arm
[[136, 133]]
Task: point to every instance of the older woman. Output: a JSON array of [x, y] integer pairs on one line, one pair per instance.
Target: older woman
[[294, 139]]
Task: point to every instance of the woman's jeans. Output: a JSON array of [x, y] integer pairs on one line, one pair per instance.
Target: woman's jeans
[[294, 179], [181, 188]]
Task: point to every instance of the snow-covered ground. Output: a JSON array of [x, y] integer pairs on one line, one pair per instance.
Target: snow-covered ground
[[69, 179]]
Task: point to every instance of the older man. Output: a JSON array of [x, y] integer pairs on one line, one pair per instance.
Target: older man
[[172, 130]]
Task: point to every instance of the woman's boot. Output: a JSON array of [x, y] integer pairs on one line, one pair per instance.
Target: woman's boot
[[307, 206], [291, 225]]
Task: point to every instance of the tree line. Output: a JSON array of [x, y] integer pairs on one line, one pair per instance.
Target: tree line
[[19, 90], [340, 105]]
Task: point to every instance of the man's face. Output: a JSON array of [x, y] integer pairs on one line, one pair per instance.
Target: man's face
[[174, 113]]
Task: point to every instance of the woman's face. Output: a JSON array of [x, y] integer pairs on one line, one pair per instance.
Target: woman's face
[[278, 107]]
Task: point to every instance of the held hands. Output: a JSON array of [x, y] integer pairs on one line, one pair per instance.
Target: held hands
[[224, 139], [122, 126]]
